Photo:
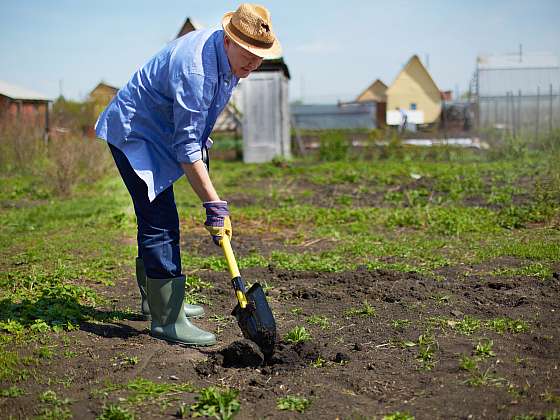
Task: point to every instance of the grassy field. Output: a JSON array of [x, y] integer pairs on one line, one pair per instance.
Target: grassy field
[[66, 271]]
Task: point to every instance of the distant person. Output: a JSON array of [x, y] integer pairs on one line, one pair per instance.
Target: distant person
[[157, 128], [404, 118]]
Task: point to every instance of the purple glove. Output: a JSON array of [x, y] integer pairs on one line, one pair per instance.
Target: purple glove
[[217, 220]]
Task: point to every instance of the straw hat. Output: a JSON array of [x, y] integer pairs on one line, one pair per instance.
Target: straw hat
[[250, 27]]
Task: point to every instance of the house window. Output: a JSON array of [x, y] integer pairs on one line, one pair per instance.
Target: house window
[[413, 106]]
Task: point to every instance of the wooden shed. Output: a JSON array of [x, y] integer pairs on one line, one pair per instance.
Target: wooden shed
[[415, 92], [266, 114], [21, 107]]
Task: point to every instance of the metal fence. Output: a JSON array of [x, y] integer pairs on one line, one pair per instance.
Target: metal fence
[[519, 113]]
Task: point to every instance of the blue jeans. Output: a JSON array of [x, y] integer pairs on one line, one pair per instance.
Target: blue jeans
[[158, 223]]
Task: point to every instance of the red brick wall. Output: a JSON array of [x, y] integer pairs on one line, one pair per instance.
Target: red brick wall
[[26, 113]]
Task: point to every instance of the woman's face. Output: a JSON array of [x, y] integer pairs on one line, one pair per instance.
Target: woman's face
[[241, 61]]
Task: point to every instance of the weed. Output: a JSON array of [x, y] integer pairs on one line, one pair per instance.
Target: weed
[[485, 378], [333, 146], [12, 392], [484, 350], [296, 311], [319, 362], [319, 320], [366, 310], [502, 325], [114, 412], [297, 335], [467, 326], [400, 324], [548, 396], [141, 390], [441, 299], [470, 364], [55, 409], [44, 352], [55, 413], [212, 402], [397, 415], [427, 346], [293, 403], [130, 361], [221, 320]]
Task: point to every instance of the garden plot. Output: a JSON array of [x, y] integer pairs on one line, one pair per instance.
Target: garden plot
[[401, 288]]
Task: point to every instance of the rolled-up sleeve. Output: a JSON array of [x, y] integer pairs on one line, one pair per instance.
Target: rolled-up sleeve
[[192, 100]]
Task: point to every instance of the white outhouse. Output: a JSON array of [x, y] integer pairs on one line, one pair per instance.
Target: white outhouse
[[266, 114]]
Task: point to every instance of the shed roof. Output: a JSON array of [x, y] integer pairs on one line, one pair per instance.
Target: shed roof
[[189, 26], [21, 93]]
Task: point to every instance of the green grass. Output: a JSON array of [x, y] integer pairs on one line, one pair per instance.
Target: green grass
[[366, 311], [115, 412], [411, 211], [213, 402], [397, 415], [293, 403], [12, 392], [297, 335], [320, 320], [139, 392], [483, 349]]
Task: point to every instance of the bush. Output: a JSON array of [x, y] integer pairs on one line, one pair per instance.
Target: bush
[[333, 146]]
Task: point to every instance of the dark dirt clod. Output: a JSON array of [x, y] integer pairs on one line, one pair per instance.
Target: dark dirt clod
[[341, 357], [242, 353]]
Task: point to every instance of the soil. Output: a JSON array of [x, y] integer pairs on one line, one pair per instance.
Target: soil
[[365, 371]]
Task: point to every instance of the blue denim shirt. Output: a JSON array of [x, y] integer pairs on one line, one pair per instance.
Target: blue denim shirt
[[166, 111]]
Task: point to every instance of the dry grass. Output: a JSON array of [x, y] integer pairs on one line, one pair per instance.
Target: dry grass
[[62, 162]]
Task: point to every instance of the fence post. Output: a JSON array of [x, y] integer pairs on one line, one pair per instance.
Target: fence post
[[519, 122], [513, 122], [537, 114], [550, 111]]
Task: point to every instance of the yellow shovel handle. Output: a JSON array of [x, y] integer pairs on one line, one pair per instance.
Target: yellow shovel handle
[[233, 269], [230, 258]]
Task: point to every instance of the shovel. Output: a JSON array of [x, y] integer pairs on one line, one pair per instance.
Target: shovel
[[252, 311]]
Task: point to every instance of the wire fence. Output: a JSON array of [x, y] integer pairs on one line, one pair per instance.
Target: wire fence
[[518, 113]]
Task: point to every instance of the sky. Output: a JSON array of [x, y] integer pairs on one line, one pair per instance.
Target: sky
[[334, 49]]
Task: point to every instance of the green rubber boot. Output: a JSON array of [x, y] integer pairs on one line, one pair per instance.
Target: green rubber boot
[[165, 298], [191, 311]]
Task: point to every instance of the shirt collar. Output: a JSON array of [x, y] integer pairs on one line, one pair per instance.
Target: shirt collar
[[223, 62]]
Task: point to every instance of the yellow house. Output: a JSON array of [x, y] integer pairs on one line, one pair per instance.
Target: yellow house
[[376, 92], [101, 95], [415, 92]]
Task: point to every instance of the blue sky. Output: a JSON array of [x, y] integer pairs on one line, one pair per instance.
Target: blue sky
[[334, 49]]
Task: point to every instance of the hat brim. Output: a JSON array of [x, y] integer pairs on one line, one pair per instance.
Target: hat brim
[[274, 51]]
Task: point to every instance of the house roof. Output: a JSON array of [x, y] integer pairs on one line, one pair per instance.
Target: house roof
[[275, 64], [21, 93], [414, 60], [103, 84], [376, 83], [189, 25]]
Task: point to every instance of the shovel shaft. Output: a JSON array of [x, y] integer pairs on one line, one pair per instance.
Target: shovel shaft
[[237, 282], [230, 258]]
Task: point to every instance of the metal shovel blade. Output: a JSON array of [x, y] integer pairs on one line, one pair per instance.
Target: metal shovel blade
[[256, 320]]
